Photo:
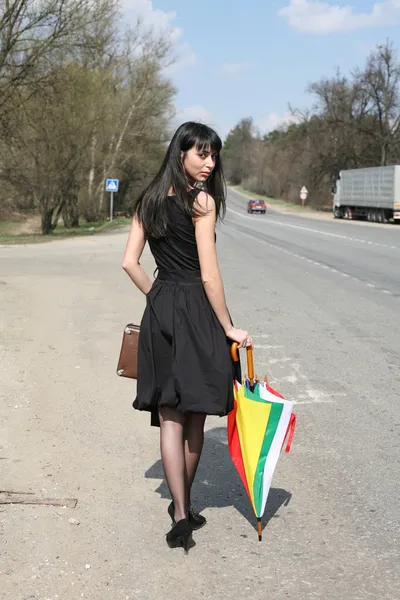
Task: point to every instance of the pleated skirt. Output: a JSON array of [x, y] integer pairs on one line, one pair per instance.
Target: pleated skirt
[[184, 359]]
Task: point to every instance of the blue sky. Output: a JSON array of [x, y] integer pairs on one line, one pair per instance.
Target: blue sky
[[241, 58]]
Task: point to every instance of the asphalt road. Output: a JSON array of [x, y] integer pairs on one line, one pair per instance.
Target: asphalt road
[[367, 252], [321, 299]]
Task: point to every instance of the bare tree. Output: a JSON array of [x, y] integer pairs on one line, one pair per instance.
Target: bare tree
[[136, 101], [31, 31], [380, 81]]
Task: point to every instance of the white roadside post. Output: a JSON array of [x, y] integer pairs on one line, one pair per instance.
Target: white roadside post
[[112, 186], [303, 195]]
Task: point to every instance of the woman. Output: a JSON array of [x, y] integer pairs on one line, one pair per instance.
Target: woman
[[185, 371]]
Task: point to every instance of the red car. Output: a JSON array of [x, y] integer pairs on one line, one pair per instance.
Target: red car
[[257, 206]]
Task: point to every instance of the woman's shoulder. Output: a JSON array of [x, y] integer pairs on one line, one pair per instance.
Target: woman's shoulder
[[204, 200]]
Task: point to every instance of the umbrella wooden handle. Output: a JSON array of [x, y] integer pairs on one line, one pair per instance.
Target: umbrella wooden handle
[[250, 361]]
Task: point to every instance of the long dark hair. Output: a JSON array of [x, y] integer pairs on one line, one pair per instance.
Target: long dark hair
[[151, 207]]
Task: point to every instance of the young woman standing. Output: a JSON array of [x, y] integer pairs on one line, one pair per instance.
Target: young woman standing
[[185, 371]]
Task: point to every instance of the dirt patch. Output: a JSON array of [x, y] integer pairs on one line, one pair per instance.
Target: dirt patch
[[17, 223], [31, 225]]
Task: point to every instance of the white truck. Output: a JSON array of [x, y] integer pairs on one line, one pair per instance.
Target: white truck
[[372, 194]]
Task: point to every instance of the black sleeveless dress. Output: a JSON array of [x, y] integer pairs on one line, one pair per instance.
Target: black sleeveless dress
[[184, 359]]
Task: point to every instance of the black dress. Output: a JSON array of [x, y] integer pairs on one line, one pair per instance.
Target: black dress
[[184, 357]]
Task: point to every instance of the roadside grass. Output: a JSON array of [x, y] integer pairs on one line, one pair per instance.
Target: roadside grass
[[9, 231]]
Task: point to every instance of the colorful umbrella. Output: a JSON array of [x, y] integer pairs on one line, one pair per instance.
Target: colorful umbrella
[[258, 427]]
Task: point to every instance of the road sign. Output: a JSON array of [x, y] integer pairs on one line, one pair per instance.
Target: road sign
[[112, 185], [303, 194]]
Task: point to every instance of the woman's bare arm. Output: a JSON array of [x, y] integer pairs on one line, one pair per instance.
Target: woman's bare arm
[[210, 273], [133, 252]]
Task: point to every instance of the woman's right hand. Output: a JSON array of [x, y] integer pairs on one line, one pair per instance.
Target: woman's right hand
[[240, 336]]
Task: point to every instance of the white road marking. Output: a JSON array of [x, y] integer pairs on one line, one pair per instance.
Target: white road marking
[[327, 233], [297, 378], [301, 402], [313, 396], [266, 347], [274, 361]]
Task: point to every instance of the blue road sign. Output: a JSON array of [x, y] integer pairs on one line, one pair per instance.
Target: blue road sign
[[112, 185]]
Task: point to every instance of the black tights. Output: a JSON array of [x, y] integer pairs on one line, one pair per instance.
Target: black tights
[[181, 443]]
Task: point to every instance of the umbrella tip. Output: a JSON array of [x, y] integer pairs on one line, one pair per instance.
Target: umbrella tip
[[259, 529]]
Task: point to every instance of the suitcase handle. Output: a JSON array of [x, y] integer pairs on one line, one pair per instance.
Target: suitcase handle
[[250, 361]]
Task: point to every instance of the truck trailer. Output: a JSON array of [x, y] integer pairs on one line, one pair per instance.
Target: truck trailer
[[372, 193]]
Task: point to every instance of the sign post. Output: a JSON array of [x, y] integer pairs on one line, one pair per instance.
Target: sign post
[[112, 186], [303, 195]]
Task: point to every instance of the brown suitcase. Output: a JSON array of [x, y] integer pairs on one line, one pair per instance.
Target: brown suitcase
[[127, 363]]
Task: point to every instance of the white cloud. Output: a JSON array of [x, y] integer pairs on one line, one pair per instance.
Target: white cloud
[[162, 22], [274, 121], [194, 113], [201, 114], [236, 68], [185, 59], [314, 16], [152, 17]]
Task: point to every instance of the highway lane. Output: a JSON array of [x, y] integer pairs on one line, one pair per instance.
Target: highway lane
[[369, 254], [378, 232]]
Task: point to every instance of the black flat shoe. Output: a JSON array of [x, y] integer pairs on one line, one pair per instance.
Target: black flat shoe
[[196, 520], [180, 535]]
